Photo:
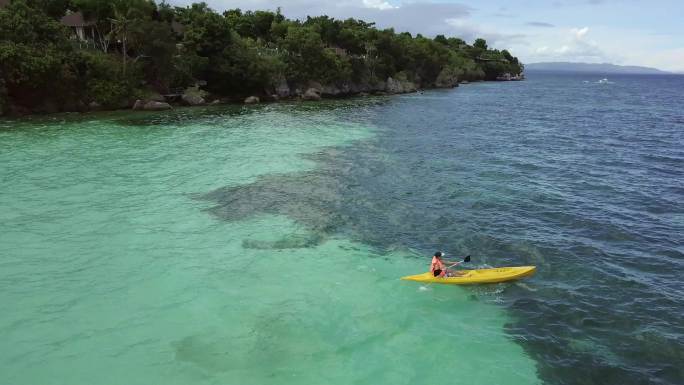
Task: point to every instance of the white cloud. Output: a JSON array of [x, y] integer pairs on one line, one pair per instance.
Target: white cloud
[[668, 59], [562, 50], [425, 17], [580, 32], [469, 31], [378, 4], [572, 45]]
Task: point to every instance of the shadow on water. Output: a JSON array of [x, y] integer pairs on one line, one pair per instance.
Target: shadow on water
[[179, 116], [185, 115]]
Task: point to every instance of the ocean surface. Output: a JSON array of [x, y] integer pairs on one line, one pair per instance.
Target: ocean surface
[[264, 244]]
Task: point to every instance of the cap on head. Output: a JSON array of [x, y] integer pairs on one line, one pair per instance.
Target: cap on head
[[439, 254]]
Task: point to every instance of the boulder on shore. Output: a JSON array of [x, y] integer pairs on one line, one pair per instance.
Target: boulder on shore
[[194, 96], [315, 85], [312, 94], [336, 90], [138, 105], [282, 89], [192, 100], [153, 105], [252, 100], [394, 86]]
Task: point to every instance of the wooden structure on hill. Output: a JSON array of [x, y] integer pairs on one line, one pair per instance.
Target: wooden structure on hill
[[83, 29]]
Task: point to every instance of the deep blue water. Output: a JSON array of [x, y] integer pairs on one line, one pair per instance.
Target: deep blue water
[[583, 179]]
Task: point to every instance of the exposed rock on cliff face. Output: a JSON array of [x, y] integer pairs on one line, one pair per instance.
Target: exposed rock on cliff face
[[282, 89], [394, 86], [313, 90], [447, 78], [312, 94], [315, 86], [351, 88], [252, 100], [399, 86], [332, 91]]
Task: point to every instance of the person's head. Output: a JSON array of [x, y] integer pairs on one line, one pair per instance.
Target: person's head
[[438, 254]]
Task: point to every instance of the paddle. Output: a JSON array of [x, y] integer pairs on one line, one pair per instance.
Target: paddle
[[466, 259]]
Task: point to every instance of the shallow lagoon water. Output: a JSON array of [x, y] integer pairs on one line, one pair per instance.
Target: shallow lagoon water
[[264, 244], [115, 270]]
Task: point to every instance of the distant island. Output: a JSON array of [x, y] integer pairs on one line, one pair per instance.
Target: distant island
[[82, 55], [597, 68]]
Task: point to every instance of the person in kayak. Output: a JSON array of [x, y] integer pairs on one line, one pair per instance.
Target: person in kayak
[[438, 267]]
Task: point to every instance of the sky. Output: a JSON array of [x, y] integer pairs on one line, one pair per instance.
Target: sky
[[627, 32]]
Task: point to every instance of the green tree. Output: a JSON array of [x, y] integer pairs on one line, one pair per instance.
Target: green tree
[[125, 14], [155, 46], [207, 32], [236, 52], [104, 81], [52, 8], [34, 48], [441, 39]]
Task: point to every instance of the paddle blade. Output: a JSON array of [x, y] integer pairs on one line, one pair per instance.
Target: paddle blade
[[466, 259]]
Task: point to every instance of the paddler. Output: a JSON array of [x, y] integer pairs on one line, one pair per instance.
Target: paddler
[[438, 267]]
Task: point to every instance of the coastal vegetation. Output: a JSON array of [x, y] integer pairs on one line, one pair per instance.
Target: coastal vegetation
[[75, 55]]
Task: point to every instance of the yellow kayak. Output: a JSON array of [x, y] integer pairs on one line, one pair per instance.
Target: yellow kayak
[[469, 277]]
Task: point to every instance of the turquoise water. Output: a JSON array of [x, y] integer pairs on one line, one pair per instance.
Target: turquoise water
[[232, 245], [219, 246]]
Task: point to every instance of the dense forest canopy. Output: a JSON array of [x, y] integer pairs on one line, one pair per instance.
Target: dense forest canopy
[[131, 46]]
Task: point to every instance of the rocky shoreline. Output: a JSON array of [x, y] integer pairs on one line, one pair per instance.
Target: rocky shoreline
[[309, 91], [280, 90]]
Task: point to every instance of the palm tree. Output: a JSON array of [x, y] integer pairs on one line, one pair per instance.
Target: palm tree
[[124, 16], [371, 58]]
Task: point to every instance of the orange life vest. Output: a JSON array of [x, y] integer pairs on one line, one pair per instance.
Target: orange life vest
[[437, 264]]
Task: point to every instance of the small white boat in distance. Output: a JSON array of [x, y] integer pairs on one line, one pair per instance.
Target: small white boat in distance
[[603, 81]]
